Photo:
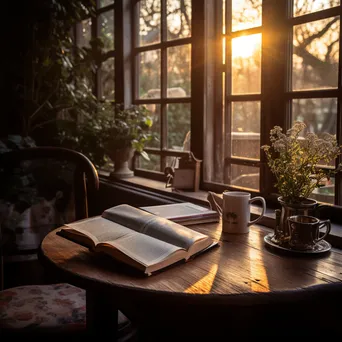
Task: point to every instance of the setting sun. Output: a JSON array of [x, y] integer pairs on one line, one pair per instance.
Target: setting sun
[[246, 46]]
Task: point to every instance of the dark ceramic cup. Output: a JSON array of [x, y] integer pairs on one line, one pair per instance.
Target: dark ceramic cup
[[305, 231]]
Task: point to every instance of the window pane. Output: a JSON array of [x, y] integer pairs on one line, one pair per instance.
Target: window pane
[[152, 165], [172, 162], [315, 54], [245, 176], [149, 74], [107, 79], [178, 125], [104, 3], [326, 193], [155, 114], [85, 33], [319, 115], [246, 14], [246, 64], [246, 129], [302, 7], [149, 32], [178, 19], [106, 22], [178, 71]]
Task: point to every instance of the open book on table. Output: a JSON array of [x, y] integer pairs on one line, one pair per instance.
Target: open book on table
[[184, 213], [140, 239]]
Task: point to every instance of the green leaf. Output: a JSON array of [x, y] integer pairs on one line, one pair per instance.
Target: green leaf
[[145, 155]]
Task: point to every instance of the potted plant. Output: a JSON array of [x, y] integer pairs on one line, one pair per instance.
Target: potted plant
[[125, 133], [112, 133], [296, 159]]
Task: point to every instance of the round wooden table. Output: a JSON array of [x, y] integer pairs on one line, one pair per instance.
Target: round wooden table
[[242, 264]]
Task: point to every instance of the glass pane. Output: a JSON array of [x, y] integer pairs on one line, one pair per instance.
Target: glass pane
[[155, 114], [107, 79], [246, 64], [326, 193], [104, 3], [149, 74], [152, 165], [178, 18], [319, 115], [106, 22], [149, 32], [179, 71], [246, 14], [245, 176], [83, 39], [172, 162], [301, 7], [246, 129], [178, 125], [315, 54]]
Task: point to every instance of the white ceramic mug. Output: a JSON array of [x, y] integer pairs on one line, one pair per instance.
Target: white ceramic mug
[[236, 211]]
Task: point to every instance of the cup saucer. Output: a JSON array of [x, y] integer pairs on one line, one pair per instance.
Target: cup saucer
[[320, 247]]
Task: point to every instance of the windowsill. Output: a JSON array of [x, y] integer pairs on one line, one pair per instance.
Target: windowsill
[[200, 197]]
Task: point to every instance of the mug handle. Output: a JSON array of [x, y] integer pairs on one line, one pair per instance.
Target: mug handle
[[326, 223], [262, 200]]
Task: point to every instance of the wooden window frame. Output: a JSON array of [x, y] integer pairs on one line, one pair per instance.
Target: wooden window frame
[[163, 101], [276, 95], [95, 22]]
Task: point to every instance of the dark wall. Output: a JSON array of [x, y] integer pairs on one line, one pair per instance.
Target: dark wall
[[16, 38], [111, 194]]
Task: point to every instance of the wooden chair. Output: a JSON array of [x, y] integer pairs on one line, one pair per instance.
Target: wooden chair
[[41, 189]]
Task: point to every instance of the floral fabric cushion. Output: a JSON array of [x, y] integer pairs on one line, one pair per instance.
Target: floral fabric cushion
[[35, 198], [57, 306]]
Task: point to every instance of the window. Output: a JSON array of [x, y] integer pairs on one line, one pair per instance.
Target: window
[[227, 71], [101, 26], [280, 62], [162, 77]]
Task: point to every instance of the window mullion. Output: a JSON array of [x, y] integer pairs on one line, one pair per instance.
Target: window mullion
[[338, 177], [227, 119], [274, 57], [163, 81]]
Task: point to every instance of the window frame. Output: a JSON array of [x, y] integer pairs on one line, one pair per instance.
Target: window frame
[[95, 33], [163, 152], [276, 94]]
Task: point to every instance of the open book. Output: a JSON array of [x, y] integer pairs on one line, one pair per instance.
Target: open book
[[184, 213], [135, 237]]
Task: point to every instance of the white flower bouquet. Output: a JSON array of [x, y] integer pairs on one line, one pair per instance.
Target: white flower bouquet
[[297, 161]]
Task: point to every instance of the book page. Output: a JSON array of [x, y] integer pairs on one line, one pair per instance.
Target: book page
[[142, 248], [152, 225], [177, 211], [99, 229], [128, 216]]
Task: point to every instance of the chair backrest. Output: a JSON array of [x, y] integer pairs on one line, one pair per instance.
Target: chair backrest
[[42, 188]]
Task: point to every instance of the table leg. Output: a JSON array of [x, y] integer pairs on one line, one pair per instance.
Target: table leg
[[102, 316]]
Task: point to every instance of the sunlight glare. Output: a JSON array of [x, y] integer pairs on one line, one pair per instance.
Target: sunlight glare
[[245, 46], [205, 284], [258, 274]]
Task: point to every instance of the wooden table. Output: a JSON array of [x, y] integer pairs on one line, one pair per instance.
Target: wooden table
[[242, 264]]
